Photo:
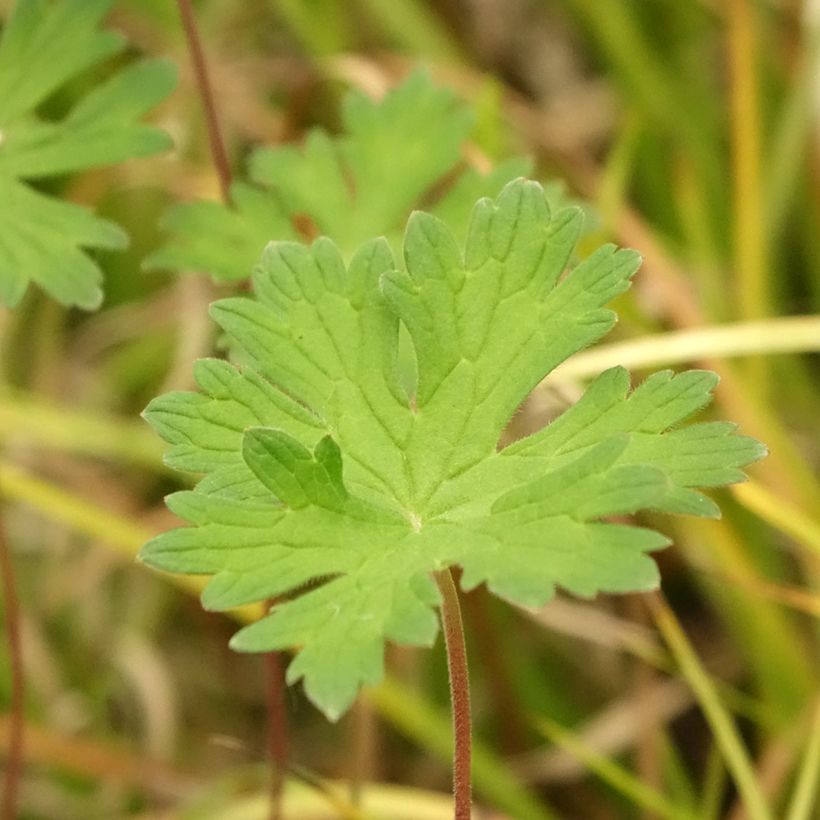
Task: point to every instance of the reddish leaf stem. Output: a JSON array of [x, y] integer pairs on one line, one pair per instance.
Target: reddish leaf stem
[[14, 758], [203, 81], [510, 723], [363, 748], [277, 730], [459, 694]]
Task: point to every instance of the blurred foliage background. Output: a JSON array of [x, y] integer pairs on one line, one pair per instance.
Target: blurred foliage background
[[691, 129]]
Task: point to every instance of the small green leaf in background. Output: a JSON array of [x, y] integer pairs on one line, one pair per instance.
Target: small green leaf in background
[[361, 184], [322, 475], [43, 239]]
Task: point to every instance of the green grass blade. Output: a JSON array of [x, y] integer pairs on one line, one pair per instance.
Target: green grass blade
[[786, 334], [723, 727], [413, 26], [804, 800], [611, 772]]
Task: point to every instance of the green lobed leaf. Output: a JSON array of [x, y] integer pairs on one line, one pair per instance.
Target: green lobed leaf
[[328, 487], [43, 46], [391, 155]]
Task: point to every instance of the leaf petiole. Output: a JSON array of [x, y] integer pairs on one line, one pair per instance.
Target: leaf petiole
[[459, 693]]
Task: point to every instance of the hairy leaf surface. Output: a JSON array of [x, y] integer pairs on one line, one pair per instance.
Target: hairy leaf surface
[[326, 486], [44, 240]]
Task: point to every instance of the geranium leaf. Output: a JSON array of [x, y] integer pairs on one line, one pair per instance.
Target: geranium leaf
[[327, 484], [43, 240]]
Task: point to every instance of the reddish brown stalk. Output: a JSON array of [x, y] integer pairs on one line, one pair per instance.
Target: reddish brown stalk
[[203, 81], [510, 724], [277, 734], [277, 739], [459, 694], [14, 754], [363, 748]]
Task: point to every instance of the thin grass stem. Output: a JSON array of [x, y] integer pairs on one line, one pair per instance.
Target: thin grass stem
[[613, 773], [726, 734], [751, 251], [782, 335], [14, 753], [804, 800]]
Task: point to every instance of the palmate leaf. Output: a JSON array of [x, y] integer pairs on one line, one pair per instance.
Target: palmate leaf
[[44, 45], [361, 184], [328, 487]]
